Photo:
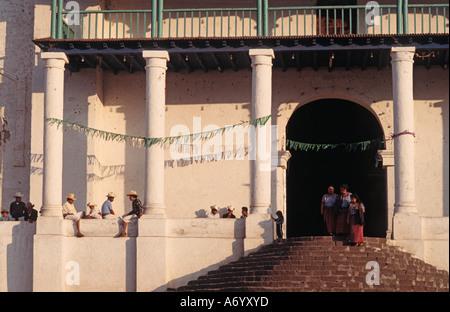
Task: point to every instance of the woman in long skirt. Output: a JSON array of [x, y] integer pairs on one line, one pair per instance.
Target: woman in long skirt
[[342, 205], [356, 221]]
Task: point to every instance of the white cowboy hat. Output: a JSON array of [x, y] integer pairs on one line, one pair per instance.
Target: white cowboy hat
[[132, 193], [18, 194], [230, 207], [214, 207], [71, 196], [91, 204], [111, 194]]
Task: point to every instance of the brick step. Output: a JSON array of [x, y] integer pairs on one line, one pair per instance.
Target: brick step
[[323, 264]]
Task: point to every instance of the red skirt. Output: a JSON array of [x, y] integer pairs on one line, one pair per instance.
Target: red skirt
[[328, 218], [341, 222], [356, 231]]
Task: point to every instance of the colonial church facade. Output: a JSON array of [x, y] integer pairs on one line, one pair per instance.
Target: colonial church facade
[[254, 103]]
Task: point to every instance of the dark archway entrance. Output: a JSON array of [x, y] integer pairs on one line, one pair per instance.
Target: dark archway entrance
[[310, 172]]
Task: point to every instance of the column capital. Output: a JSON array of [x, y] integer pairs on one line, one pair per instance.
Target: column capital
[[261, 52], [156, 58], [162, 54], [403, 54], [261, 56], [55, 56]]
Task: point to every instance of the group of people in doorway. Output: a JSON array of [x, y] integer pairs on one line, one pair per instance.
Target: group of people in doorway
[[343, 214], [19, 211], [107, 212]]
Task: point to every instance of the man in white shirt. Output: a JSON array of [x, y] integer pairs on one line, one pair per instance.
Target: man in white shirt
[[70, 213], [93, 213], [213, 214]]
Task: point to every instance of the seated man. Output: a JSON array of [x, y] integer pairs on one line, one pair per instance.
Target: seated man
[[70, 213], [107, 210], [93, 212], [229, 214], [214, 213], [31, 215], [5, 216], [17, 207]]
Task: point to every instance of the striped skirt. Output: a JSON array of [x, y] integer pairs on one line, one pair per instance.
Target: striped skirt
[[328, 218], [356, 231]]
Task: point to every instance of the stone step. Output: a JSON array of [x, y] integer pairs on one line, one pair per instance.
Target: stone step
[[323, 264]]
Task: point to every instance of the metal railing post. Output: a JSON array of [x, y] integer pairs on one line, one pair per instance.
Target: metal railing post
[[59, 33], [154, 18], [260, 17], [399, 16], [405, 17], [266, 17], [53, 29], [160, 17]]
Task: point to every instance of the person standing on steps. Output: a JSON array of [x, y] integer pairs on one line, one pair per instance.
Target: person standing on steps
[[279, 225], [327, 210], [355, 220], [341, 211]]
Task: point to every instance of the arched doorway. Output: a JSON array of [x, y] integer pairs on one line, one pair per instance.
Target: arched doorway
[[309, 173]]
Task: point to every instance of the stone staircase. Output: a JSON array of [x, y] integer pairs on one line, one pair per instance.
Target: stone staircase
[[323, 263]]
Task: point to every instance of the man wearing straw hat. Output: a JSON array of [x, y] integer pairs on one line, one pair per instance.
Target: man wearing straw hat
[[229, 214], [70, 213], [18, 207], [93, 213], [107, 210], [31, 215], [214, 213], [136, 212]]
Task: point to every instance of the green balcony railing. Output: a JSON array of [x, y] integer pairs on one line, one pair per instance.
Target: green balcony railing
[[260, 20]]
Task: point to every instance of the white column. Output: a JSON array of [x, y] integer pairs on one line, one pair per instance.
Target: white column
[[261, 107], [54, 63], [155, 116], [402, 82]]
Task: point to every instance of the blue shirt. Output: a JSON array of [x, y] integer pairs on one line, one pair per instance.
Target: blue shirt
[[106, 207]]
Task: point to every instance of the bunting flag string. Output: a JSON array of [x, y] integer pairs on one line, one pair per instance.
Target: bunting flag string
[[349, 147], [147, 142]]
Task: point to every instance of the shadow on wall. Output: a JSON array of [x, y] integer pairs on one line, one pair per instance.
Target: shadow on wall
[[237, 251], [19, 256]]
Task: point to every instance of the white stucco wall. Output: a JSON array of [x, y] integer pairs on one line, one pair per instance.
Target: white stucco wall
[[115, 103]]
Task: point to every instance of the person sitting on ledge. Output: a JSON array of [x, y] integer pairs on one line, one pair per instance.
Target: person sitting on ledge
[[229, 214], [31, 215], [93, 213], [70, 213], [244, 212], [5, 216], [18, 207], [213, 214], [135, 213], [107, 209]]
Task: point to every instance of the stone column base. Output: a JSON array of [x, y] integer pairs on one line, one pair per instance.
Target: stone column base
[[407, 233], [151, 245], [258, 231]]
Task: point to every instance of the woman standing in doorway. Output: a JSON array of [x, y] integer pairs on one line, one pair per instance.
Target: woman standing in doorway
[[342, 206], [356, 221]]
